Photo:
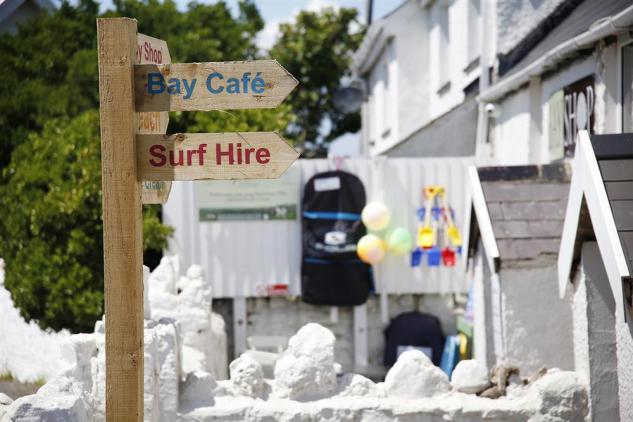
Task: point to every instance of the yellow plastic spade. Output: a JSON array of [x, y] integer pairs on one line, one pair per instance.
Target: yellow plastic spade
[[453, 234], [452, 230], [426, 234], [426, 237]]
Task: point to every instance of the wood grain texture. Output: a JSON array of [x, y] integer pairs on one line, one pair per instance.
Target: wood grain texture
[[122, 221], [282, 155], [151, 50], [278, 83]]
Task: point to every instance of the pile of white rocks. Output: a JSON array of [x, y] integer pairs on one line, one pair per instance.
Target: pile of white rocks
[[183, 377]]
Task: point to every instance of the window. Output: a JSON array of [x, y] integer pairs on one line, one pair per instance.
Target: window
[[627, 88], [474, 30], [444, 57], [386, 103], [383, 97]]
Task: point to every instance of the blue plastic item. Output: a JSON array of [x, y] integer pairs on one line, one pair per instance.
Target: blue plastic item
[[416, 257], [434, 256], [450, 356]]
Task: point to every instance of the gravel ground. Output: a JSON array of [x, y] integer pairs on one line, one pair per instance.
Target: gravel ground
[[16, 389]]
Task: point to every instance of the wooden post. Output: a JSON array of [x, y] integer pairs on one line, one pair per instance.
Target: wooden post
[[122, 221]]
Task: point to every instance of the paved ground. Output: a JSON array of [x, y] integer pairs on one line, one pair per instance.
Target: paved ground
[[16, 389]]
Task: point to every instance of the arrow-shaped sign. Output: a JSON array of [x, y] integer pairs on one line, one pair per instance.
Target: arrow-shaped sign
[[153, 50], [211, 86], [220, 156]]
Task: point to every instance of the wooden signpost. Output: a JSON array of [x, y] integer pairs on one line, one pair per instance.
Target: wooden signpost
[[137, 87]]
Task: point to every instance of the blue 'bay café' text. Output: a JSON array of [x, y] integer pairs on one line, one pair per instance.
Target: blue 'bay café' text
[[215, 84]]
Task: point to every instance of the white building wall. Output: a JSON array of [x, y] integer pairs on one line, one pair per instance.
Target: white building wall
[[401, 66], [529, 303], [624, 339], [426, 76], [511, 137], [240, 256], [412, 52], [521, 122]]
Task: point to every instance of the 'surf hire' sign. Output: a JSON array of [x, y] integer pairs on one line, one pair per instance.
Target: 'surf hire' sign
[[211, 86], [193, 156]]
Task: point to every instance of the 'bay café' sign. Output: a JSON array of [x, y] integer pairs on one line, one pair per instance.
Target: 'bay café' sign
[[139, 161]]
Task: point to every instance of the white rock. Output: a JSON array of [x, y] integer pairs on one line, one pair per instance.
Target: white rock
[[195, 272], [354, 385], [247, 376], [150, 375], [414, 376], [563, 396], [62, 385], [306, 368], [219, 361], [197, 391], [168, 369], [164, 277], [37, 407], [470, 376], [147, 309], [5, 400], [77, 351]]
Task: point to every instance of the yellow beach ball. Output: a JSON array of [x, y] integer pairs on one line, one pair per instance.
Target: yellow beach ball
[[370, 249], [376, 216]]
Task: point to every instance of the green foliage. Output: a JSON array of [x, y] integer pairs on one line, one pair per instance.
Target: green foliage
[[317, 50], [49, 70], [6, 376], [51, 225]]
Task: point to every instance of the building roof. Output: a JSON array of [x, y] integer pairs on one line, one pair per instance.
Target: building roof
[[563, 43], [570, 19], [374, 41], [601, 207], [525, 206]]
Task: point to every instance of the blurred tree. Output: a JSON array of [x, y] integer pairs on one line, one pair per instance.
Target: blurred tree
[[51, 225], [49, 70], [317, 49]]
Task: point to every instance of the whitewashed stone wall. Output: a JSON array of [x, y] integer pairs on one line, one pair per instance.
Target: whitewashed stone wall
[[18, 340], [305, 387]]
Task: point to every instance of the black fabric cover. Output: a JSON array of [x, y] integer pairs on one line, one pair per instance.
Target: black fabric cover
[[331, 273], [413, 329]]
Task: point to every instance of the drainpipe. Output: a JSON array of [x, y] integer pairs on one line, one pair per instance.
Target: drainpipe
[[487, 56]]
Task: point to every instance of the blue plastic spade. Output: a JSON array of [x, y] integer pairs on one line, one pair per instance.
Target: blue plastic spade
[[416, 257], [434, 256]]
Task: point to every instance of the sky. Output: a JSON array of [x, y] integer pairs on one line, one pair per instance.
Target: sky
[[275, 12]]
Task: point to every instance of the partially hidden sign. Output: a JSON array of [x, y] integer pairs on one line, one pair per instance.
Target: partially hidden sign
[[151, 50], [211, 86], [219, 156]]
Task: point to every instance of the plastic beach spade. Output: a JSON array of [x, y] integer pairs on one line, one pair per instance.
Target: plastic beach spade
[[416, 257], [448, 255], [452, 230], [426, 235], [435, 254]]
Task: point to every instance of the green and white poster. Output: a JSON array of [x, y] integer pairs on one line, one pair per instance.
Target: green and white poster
[[248, 200]]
